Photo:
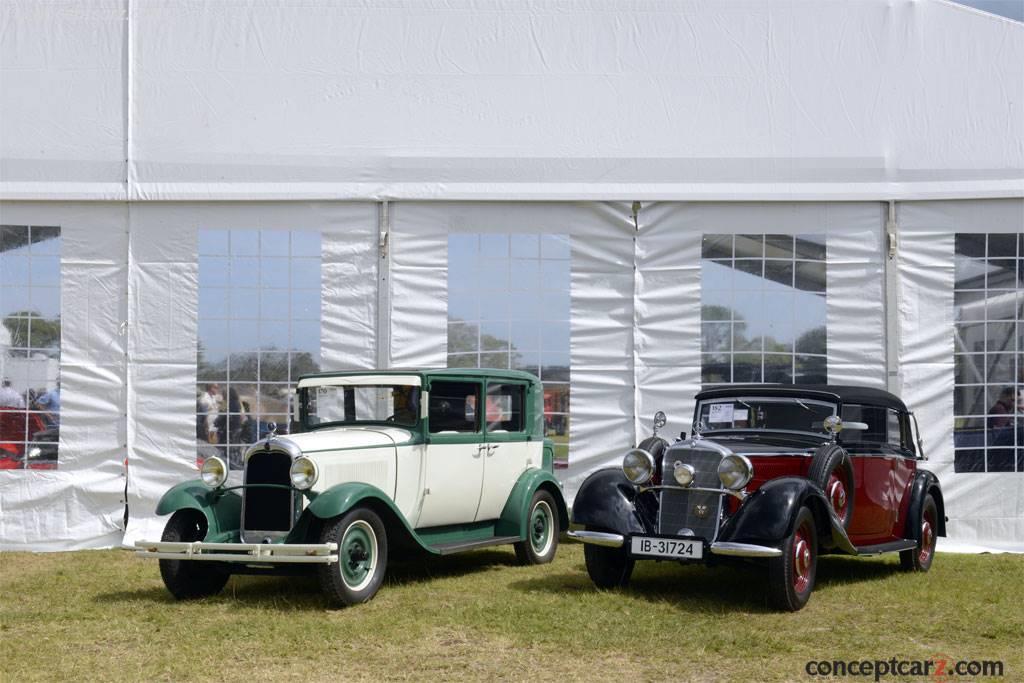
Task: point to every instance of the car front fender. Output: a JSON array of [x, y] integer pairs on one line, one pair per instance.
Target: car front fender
[[222, 509], [605, 502], [515, 515], [768, 515]]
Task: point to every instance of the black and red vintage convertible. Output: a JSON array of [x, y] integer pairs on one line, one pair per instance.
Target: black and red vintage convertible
[[774, 473]]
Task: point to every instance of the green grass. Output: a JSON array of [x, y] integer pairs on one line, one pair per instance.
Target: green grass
[[105, 615]]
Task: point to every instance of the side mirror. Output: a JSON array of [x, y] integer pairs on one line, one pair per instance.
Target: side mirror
[[659, 421]]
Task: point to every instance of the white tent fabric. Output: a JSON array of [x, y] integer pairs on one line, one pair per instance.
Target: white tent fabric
[[388, 127], [459, 99]]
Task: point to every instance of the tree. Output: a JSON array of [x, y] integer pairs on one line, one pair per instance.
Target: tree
[[45, 332]]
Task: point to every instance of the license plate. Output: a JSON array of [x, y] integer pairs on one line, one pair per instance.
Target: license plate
[[673, 548]]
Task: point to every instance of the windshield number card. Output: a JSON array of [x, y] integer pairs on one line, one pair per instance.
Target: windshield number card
[[721, 412]]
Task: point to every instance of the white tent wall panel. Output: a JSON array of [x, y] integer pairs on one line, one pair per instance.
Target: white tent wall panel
[[735, 99], [80, 504], [418, 286], [985, 510]]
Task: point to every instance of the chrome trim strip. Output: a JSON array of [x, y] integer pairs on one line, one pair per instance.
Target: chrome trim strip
[[599, 538], [744, 550], [245, 553], [739, 495]]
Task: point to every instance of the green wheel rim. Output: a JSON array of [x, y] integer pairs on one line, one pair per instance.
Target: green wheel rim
[[540, 528], [357, 555]]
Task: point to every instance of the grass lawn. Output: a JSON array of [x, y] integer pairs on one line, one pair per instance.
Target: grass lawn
[[104, 615]]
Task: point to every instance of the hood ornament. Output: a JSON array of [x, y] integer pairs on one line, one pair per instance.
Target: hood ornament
[[271, 433]]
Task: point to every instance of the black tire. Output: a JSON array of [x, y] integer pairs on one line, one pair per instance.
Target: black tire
[[362, 557], [920, 558], [190, 579], [832, 470], [542, 531], [791, 576], [608, 567]]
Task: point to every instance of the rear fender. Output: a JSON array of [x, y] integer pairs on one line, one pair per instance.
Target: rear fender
[[606, 501], [925, 482], [516, 514], [768, 515], [222, 509]]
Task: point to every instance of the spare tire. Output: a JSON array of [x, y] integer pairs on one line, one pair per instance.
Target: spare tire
[[832, 470], [655, 445]]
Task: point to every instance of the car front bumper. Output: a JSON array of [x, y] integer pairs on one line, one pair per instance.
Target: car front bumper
[[241, 553], [609, 540]]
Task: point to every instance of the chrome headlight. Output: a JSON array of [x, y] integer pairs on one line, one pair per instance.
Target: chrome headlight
[[303, 473], [638, 466], [214, 472], [683, 474], [735, 471]]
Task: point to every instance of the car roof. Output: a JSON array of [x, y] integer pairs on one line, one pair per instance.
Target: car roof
[[842, 393], [476, 373]]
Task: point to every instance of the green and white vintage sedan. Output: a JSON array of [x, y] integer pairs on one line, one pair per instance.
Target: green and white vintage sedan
[[379, 464]]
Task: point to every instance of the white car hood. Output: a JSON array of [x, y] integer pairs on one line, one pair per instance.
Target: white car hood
[[344, 438]]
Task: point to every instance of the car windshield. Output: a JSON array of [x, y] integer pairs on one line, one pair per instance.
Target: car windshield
[[776, 414], [361, 403]]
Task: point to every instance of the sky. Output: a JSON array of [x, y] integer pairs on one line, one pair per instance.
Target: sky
[[1014, 9]]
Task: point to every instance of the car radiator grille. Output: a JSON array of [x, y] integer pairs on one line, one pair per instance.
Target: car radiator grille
[[268, 509], [698, 511]]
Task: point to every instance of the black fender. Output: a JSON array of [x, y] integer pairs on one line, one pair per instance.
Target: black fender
[[925, 482], [607, 501], [768, 515]]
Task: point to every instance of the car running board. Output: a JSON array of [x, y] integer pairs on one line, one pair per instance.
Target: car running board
[[458, 547], [891, 547]]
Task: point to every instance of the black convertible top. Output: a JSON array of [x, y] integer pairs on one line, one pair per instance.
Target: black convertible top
[[830, 392]]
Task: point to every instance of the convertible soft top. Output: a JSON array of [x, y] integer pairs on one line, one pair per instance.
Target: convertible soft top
[[832, 392]]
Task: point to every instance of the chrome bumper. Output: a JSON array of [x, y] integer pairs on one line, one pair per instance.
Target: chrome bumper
[[242, 553], [727, 549]]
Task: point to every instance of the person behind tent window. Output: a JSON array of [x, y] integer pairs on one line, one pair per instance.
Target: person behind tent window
[[49, 403], [206, 413], [1001, 418]]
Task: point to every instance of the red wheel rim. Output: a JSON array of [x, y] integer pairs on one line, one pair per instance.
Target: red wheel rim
[[927, 537], [837, 491], [802, 559]]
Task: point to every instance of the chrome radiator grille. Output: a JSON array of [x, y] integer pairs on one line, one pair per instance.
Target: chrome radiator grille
[[267, 509], [698, 511]]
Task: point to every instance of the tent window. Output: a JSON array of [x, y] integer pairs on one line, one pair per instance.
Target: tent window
[[763, 309], [259, 330], [508, 307], [988, 400], [29, 346]]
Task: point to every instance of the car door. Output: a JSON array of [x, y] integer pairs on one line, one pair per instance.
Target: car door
[[453, 461], [903, 474], [872, 473], [509, 450]]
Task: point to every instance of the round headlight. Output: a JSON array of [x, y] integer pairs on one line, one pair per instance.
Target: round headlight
[[735, 471], [303, 473], [214, 472], [683, 474], [638, 466]]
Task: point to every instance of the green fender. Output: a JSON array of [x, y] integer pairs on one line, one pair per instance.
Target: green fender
[[341, 498], [516, 514], [222, 509]]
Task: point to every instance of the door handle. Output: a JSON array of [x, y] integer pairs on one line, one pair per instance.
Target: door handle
[[479, 450], [491, 448]]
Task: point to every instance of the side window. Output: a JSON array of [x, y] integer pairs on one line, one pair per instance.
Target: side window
[[875, 418], [505, 404], [907, 436], [893, 435], [453, 407]]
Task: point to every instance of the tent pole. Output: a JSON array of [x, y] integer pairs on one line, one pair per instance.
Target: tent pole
[[384, 285], [892, 341]]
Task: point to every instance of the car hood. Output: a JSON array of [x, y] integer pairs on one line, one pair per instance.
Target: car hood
[[773, 445], [348, 438]]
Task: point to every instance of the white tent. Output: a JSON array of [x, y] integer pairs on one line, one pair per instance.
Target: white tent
[[405, 138]]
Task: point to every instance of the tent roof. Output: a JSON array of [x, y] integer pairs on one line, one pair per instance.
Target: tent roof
[[461, 99]]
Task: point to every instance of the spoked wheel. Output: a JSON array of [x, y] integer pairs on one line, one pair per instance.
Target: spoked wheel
[[919, 559], [832, 470], [542, 531], [189, 579], [362, 557], [791, 576]]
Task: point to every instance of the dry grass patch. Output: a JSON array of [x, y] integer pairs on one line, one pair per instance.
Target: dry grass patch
[[479, 616]]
